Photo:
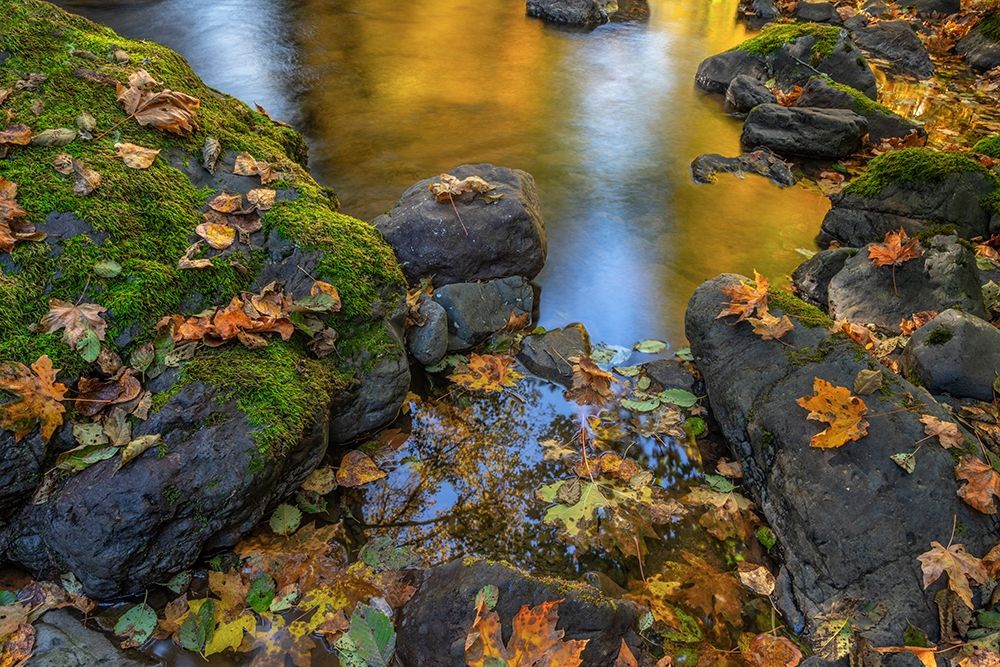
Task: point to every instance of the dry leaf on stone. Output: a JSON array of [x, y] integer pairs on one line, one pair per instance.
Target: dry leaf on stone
[[915, 321], [217, 236], [40, 398], [897, 249], [534, 640], [745, 300], [770, 327], [262, 198], [867, 381], [247, 165], [983, 484], [448, 187], [95, 395], [226, 203], [840, 409], [948, 434], [961, 567]]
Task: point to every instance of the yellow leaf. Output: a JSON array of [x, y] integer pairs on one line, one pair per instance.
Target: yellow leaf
[[840, 409], [357, 468], [229, 634], [217, 235], [136, 157]]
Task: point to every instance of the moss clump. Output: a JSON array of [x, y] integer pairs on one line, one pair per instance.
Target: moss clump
[[989, 146], [939, 336], [145, 219], [766, 537], [990, 27], [910, 165], [774, 37], [861, 103], [809, 315]]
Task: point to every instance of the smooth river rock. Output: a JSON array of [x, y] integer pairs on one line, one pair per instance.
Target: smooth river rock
[[745, 92], [896, 42], [547, 355], [956, 353], [883, 123], [815, 133], [478, 310]]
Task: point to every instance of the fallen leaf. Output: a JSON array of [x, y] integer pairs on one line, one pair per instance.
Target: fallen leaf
[[625, 657], [948, 434], [321, 481], [215, 235], [95, 395], [15, 135], [85, 179], [837, 407], [534, 640], [54, 137], [137, 446], [960, 566], [915, 321], [187, 261], [136, 157], [41, 398], [262, 198], [247, 165], [746, 300], [897, 249], [730, 469], [591, 385], [770, 651], [18, 646], [226, 203], [924, 654], [13, 226], [357, 468], [486, 372], [82, 325], [166, 110], [448, 187], [983, 484], [770, 327], [757, 578], [867, 381]]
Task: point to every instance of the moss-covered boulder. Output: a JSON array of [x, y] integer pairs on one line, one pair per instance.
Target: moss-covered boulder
[[790, 54], [883, 123], [919, 189], [981, 47], [240, 427], [988, 146]]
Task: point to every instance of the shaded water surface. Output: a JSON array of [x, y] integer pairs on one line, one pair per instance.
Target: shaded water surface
[[607, 122]]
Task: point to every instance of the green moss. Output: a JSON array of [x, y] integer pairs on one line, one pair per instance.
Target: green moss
[[988, 146], [145, 219], [789, 304], [910, 165], [931, 231], [861, 103], [990, 27], [807, 355], [939, 336], [172, 494], [766, 537], [774, 37]]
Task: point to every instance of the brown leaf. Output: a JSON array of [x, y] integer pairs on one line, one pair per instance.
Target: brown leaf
[[917, 320], [166, 110], [591, 385], [746, 300], [730, 469], [247, 165], [769, 651], [216, 235], [187, 261], [837, 407], [76, 320], [983, 484], [770, 327], [897, 249], [947, 433], [321, 481], [94, 395], [262, 198], [226, 203], [15, 135], [13, 226], [788, 99], [136, 157], [625, 657], [41, 398], [867, 381], [18, 647], [757, 578], [924, 654], [85, 179], [449, 187], [357, 469], [960, 566]]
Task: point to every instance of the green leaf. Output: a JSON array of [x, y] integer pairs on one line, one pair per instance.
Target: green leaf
[[137, 624], [650, 346], [198, 627], [142, 357], [610, 355], [488, 596], [640, 406], [689, 631], [905, 460], [89, 346], [493, 661], [987, 619], [695, 426], [381, 554], [684, 354], [371, 640], [178, 582], [107, 268], [628, 371], [720, 483], [646, 621], [261, 593], [84, 456], [286, 519], [678, 397], [833, 639], [70, 583], [7, 598]]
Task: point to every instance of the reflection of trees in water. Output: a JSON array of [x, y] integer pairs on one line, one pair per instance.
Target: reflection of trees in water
[[464, 483]]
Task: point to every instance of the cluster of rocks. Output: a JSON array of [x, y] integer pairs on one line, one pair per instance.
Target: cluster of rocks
[[588, 13]]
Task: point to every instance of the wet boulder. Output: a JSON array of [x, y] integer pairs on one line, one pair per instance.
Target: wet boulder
[[764, 10], [427, 338], [436, 620], [487, 237], [813, 133], [63, 641], [932, 7], [916, 189], [760, 161], [548, 354], [956, 353], [790, 54], [478, 310], [586, 13], [669, 374], [843, 517], [883, 122], [981, 47], [896, 42], [944, 277], [817, 12], [745, 92], [812, 277]]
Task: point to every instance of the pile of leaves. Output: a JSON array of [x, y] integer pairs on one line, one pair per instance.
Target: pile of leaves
[[749, 302]]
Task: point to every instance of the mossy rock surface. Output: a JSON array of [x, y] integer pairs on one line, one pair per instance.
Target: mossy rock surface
[[772, 38], [989, 146], [909, 166]]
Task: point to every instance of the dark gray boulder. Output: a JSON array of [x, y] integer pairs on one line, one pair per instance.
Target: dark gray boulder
[[812, 277], [804, 50], [586, 13], [428, 341], [944, 277], [980, 47], [436, 620], [817, 12], [22, 464], [478, 310], [63, 641], [956, 353], [765, 10], [499, 239], [631, 10], [875, 8], [745, 92], [547, 355], [932, 7], [844, 518], [896, 42], [669, 374], [761, 161], [913, 188], [883, 122], [815, 133]]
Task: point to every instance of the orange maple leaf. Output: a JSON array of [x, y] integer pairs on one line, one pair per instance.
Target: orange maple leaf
[[960, 566], [836, 406], [983, 484], [41, 398], [591, 385], [947, 433], [486, 372], [770, 327], [744, 300], [534, 640], [897, 249], [917, 320]]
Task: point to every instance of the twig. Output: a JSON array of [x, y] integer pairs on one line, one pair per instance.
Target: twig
[[457, 214], [805, 64], [113, 127]]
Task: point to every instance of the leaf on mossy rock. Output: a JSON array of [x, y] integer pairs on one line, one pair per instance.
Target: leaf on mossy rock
[[248, 165], [188, 260], [135, 156], [840, 409], [95, 395], [961, 567], [165, 110], [15, 135], [85, 179], [357, 469], [107, 268], [262, 198], [13, 226], [770, 327], [77, 322], [137, 446], [40, 398], [217, 236], [746, 300]]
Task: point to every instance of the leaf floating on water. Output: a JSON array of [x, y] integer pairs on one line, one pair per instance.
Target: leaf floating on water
[[371, 640], [357, 469], [486, 372], [591, 385], [321, 481], [136, 625], [650, 346], [136, 157], [286, 519], [961, 567], [41, 398], [534, 639], [757, 578], [840, 409], [165, 110]]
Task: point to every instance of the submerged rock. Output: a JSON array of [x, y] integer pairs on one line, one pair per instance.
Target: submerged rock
[[63, 641], [956, 353], [631, 10], [790, 54], [745, 92], [669, 374], [758, 161], [478, 310], [547, 355], [883, 122], [981, 47], [913, 188], [793, 131], [428, 341], [436, 621], [896, 42], [498, 239], [944, 277], [849, 522]]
